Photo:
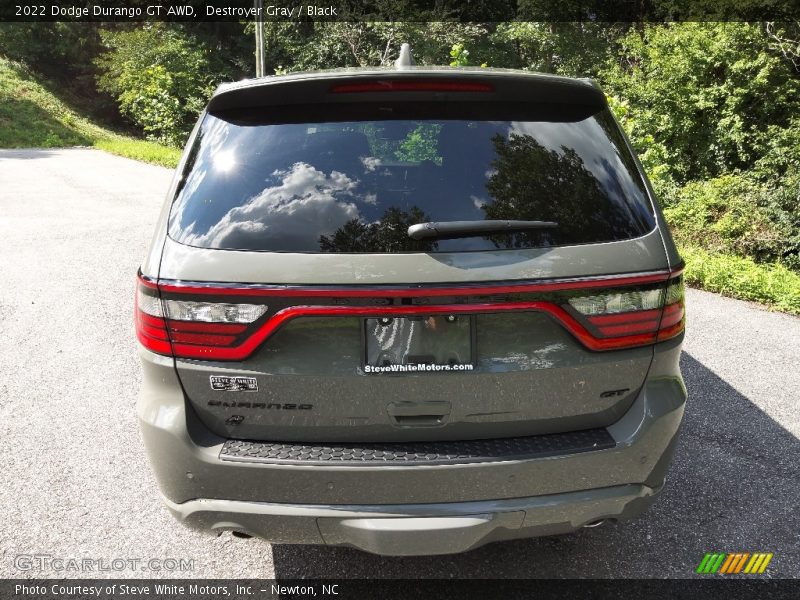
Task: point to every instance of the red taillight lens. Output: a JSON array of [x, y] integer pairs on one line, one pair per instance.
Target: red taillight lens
[[190, 328], [229, 322], [628, 318], [673, 318], [410, 86], [151, 327], [638, 322]]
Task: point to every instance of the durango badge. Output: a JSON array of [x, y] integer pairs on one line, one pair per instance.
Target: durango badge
[[224, 383]]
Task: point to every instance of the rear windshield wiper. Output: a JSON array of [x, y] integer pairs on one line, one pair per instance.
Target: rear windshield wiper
[[460, 229]]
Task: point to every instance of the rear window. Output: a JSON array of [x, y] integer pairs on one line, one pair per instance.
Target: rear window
[[357, 185]]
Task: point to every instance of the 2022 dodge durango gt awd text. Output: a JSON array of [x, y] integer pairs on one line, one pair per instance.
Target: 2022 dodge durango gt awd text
[[411, 311]]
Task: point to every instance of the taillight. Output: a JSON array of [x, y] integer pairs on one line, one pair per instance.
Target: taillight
[[221, 322], [190, 328], [631, 317], [151, 328], [673, 318]]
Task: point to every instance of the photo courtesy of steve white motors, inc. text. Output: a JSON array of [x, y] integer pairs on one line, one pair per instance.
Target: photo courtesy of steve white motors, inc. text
[[169, 589], [68, 11]]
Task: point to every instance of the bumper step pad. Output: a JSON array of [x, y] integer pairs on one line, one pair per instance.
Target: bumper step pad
[[417, 453]]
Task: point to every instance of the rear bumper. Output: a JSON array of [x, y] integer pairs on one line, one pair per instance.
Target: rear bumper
[[414, 529], [396, 509]]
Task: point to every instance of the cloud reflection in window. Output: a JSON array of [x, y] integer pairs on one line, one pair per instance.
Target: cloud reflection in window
[[302, 204]]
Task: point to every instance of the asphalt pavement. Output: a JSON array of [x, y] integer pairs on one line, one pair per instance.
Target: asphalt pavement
[[75, 483]]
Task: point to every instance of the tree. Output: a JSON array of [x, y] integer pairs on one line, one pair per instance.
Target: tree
[[160, 76], [574, 49], [707, 95]]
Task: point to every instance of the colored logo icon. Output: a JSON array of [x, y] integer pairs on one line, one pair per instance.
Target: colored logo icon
[[733, 563]]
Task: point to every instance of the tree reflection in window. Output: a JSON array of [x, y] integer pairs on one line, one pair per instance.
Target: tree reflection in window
[[389, 234], [530, 182]]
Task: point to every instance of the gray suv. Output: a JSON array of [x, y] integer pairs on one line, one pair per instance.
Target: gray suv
[[409, 310]]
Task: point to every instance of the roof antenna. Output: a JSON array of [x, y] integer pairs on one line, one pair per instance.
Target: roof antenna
[[405, 59]]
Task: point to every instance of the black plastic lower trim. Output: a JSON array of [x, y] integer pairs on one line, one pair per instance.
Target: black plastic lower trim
[[418, 453]]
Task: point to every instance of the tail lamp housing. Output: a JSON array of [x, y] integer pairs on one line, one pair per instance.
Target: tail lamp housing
[[631, 317], [190, 328], [222, 322]]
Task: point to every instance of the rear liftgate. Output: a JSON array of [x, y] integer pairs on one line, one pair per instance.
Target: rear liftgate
[[410, 364]]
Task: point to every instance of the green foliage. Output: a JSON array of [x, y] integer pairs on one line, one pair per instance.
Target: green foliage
[[743, 278], [293, 46], [420, 144], [432, 42], [704, 97], [652, 154], [61, 54], [54, 48], [575, 49], [31, 116], [160, 78], [727, 214], [149, 152], [460, 56], [782, 156]]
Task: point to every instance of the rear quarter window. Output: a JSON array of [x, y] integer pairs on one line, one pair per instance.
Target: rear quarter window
[[349, 186]]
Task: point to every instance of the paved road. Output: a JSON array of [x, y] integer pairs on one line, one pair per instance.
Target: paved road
[[74, 480]]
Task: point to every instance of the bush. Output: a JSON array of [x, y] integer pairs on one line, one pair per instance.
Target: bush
[[727, 214], [710, 95], [160, 78], [771, 284]]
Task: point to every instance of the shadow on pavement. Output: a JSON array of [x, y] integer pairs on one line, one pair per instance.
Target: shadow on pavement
[[732, 487]]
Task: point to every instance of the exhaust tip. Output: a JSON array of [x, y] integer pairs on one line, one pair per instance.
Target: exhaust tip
[[593, 524], [241, 534]]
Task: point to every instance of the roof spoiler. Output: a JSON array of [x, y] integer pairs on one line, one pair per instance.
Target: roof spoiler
[[316, 88]]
